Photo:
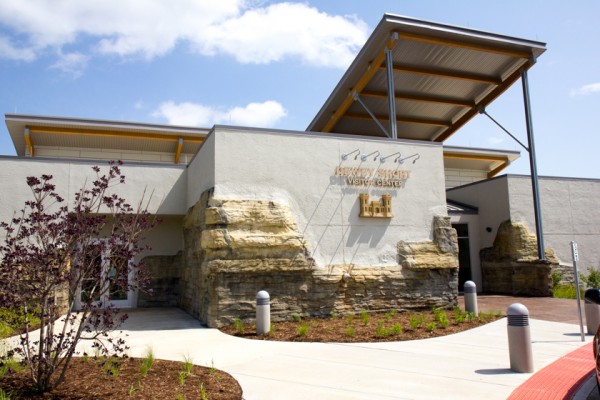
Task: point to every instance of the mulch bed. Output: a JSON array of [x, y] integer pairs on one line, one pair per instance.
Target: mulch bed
[[359, 329], [89, 379]]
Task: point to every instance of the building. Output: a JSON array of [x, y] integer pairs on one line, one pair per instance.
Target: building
[[350, 214]]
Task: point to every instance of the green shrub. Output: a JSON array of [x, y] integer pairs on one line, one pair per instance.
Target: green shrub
[[302, 330], [396, 329], [592, 278], [441, 317], [296, 317], [565, 292], [431, 326], [390, 314], [556, 278], [364, 316], [239, 325], [416, 320], [381, 331], [147, 362], [350, 318], [12, 321], [350, 331]]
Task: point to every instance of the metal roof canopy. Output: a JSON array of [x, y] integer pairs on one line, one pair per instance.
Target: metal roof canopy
[[442, 77], [29, 131], [415, 79]]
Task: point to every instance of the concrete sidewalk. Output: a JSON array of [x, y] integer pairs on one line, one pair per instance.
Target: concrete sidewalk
[[470, 365]]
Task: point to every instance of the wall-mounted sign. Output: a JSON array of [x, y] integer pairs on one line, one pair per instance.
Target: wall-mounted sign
[[375, 209], [381, 177]]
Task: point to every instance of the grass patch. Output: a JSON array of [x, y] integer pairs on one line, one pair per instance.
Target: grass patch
[[565, 292], [147, 363], [12, 322]]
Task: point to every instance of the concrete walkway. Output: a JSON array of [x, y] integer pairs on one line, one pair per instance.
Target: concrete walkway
[[469, 365]]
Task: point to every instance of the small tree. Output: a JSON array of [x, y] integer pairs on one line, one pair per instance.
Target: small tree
[[87, 251]]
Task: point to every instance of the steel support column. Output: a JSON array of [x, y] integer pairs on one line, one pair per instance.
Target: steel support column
[[389, 64], [533, 167]]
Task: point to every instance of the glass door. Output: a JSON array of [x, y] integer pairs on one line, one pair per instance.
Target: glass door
[[105, 282]]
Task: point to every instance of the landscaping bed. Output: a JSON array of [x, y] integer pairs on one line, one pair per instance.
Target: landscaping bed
[[365, 327], [101, 378]]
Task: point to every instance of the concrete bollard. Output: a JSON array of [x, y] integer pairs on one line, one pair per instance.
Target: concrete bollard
[[263, 312], [470, 290], [519, 338], [592, 310]]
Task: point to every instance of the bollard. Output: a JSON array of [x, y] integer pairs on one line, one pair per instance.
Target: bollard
[[263, 313], [592, 310], [519, 338], [470, 290]]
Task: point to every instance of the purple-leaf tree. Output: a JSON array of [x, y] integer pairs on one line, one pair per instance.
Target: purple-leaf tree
[[65, 265]]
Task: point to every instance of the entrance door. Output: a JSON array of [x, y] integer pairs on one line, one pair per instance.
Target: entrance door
[[464, 254], [99, 283]]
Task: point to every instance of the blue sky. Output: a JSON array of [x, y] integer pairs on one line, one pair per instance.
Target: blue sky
[[273, 64]]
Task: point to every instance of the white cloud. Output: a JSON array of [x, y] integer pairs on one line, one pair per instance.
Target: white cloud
[[8, 50], [266, 114], [71, 63], [586, 89], [149, 28]]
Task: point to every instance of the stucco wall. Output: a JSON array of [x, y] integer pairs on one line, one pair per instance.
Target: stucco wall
[[164, 184], [569, 212], [300, 171], [200, 172], [491, 198]]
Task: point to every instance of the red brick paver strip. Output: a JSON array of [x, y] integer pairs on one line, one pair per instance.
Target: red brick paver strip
[[559, 380]]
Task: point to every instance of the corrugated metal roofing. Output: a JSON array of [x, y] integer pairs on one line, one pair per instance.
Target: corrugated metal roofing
[[435, 67]]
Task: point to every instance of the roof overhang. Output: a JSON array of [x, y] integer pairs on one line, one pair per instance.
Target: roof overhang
[[492, 162], [443, 76], [29, 131]]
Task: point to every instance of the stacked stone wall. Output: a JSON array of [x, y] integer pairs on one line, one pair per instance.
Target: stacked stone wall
[[234, 248], [512, 267]]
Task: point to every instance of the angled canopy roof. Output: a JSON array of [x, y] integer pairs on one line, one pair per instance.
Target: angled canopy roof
[[31, 131], [443, 75], [492, 162]]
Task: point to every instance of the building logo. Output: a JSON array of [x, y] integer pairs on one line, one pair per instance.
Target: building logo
[[375, 209]]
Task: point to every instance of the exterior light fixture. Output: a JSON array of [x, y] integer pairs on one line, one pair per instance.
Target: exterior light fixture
[[364, 158], [382, 159], [345, 155], [416, 156]]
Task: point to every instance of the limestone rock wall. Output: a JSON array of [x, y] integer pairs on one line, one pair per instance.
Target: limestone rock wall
[[511, 266], [234, 248], [165, 272]]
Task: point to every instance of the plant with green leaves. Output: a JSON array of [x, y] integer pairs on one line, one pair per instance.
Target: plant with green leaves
[[441, 317], [296, 317], [364, 316], [431, 326], [397, 329], [390, 315], [4, 395], [350, 318], [592, 278], [203, 394], [416, 320], [381, 331], [188, 364], [302, 330], [350, 330], [557, 277], [239, 325], [147, 362]]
